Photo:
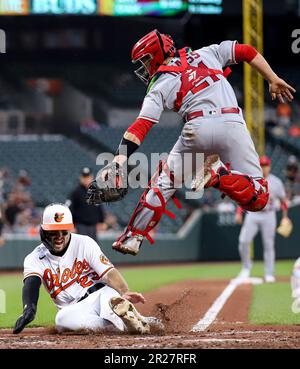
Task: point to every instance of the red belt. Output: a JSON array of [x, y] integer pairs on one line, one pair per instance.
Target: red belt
[[200, 113]]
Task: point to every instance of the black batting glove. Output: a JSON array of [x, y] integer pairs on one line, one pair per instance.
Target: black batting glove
[[27, 317]]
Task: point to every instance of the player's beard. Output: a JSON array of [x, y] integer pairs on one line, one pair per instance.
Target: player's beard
[[60, 241]]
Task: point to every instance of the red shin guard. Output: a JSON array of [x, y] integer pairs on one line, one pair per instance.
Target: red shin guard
[[241, 189]]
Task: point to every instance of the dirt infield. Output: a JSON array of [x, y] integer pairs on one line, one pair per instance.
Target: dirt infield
[[180, 306]]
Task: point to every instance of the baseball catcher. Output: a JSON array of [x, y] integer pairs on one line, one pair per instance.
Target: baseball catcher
[[87, 289], [195, 85]]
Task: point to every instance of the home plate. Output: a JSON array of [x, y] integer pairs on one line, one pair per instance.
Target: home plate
[[250, 280]]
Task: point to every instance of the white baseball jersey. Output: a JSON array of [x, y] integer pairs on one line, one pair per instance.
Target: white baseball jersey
[[277, 193], [218, 94], [265, 222], [67, 278]]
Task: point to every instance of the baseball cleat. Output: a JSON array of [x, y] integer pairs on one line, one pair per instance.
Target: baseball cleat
[[270, 279], [211, 176], [133, 320], [131, 245]]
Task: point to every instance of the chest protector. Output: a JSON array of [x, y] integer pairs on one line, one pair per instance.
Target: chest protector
[[191, 76]]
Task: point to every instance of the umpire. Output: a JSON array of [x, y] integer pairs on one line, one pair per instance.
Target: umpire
[[85, 217]]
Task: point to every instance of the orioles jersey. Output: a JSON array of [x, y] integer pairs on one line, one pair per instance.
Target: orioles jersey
[[215, 91], [67, 278]]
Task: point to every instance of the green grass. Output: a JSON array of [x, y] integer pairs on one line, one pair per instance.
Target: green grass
[[271, 304], [12, 285], [148, 278]]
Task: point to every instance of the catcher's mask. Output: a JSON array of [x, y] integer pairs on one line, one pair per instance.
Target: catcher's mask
[[57, 222], [151, 51]]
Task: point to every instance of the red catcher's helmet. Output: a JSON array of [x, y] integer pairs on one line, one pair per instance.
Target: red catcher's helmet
[[264, 160], [151, 51]]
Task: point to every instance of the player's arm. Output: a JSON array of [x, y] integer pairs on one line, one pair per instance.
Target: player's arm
[[132, 139], [114, 279], [30, 296], [239, 215], [284, 202], [278, 88], [284, 207], [149, 115]]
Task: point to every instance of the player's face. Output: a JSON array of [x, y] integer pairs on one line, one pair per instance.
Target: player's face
[[266, 170], [86, 180], [59, 239]]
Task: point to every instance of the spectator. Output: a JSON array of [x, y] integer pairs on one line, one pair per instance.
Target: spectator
[[3, 179], [110, 223], [12, 209], [86, 217], [2, 241], [23, 178], [23, 222], [292, 183], [284, 113], [294, 130]]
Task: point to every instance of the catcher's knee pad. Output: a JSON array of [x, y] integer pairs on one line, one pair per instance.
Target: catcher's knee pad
[[158, 211], [241, 189]]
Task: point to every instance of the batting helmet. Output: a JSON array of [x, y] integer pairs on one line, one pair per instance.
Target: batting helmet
[[56, 217], [264, 160], [151, 51]]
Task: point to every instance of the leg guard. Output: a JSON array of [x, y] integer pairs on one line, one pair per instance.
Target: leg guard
[[241, 189], [158, 211]]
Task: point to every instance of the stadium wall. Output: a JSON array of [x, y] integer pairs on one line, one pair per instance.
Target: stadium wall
[[207, 237]]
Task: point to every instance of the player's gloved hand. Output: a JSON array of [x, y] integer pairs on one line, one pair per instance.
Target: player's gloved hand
[[134, 297], [279, 89], [109, 186], [27, 317], [285, 227]]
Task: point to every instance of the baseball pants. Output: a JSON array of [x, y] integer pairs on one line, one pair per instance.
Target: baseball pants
[[93, 313], [265, 222], [223, 134]]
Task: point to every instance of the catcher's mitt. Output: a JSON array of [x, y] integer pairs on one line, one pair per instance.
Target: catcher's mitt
[[285, 227], [110, 188]]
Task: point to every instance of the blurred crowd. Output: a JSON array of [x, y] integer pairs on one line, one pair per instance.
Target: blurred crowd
[[292, 179], [19, 214], [283, 121]]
